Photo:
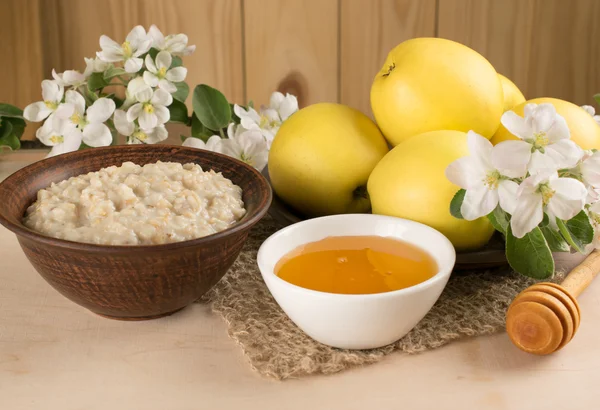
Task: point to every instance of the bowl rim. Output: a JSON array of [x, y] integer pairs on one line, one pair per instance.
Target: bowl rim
[[251, 219], [442, 275]]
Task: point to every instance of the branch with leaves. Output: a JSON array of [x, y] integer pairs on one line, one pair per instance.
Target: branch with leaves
[[134, 89], [542, 191]]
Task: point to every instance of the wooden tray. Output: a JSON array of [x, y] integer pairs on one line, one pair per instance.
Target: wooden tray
[[492, 255]]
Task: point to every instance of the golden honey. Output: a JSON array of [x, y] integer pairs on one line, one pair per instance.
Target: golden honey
[[356, 265]]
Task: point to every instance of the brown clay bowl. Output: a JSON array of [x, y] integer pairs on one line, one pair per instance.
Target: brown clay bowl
[[131, 282]]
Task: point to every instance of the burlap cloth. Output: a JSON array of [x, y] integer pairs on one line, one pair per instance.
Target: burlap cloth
[[472, 304]]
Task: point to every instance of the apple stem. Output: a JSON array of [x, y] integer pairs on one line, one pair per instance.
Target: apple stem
[[361, 192], [390, 69]]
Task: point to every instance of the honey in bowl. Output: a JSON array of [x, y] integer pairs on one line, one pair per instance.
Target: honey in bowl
[[356, 265]]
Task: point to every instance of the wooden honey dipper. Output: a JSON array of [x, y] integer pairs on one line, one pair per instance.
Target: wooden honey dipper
[[544, 317]]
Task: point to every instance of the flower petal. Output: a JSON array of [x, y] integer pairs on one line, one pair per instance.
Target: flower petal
[[100, 110], [122, 125], [163, 60], [543, 117], [478, 202], [134, 112], [507, 195], [52, 91], [162, 114], [516, 125], [565, 153], [559, 130], [568, 188], [36, 112], [150, 64], [214, 143], [147, 120], [150, 79], [176, 74], [64, 110], [527, 215], [466, 172], [97, 135], [77, 100], [133, 65], [194, 143], [156, 135], [590, 170], [158, 39], [136, 35], [166, 85], [511, 158], [288, 107], [161, 97]]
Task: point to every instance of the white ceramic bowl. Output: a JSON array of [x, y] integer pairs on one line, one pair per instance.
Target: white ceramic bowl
[[356, 321]]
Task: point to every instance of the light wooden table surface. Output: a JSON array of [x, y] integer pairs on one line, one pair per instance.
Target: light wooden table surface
[[55, 355]]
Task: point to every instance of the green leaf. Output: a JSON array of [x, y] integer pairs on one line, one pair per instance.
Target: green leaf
[[183, 90], [96, 81], [8, 137], [251, 104], [10, 111], [597, 98], [577, 231], [18, 126], [545, 221], [530, 255], [555, 240], [153, 53], [200, 131], [178, 112], [112, 72], [456, 203], [176, 62], [499, 220], [211, 107]]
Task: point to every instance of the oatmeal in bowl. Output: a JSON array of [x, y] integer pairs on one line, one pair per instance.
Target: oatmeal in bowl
[[133, 232], [153, 204]]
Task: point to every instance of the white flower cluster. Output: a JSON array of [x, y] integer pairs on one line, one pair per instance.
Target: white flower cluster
[[543, 172], [251, 140], [141, 117]]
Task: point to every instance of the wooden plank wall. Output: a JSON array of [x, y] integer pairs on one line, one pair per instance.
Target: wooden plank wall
[[320, 50]]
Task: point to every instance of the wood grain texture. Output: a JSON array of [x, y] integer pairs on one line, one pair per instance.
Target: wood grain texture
[[369, 31], [21, 51], [549, 48], [131, 282], [291, 46]]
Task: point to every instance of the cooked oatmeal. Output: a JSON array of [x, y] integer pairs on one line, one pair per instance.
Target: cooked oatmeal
[[137, 205]]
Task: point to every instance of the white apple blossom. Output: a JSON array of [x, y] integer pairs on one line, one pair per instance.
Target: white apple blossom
[[485, 184], [88, 124], [135, 85], [151, 109], [544, 141], [176, 44], [268, 119], [589, 169], [69, 78], [248, 146], [136, 135], [94, 65], [52, 93], [160, 75], [214, 143], [592, 111], [136, 44], [54, 133], [561, 198]]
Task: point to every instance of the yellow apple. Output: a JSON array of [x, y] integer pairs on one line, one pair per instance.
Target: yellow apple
[[429, 84], [512, 95], [321, 159], [585, 132], [410, 182]]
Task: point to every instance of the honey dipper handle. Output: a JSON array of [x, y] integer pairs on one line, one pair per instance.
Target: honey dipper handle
[[580, 277]]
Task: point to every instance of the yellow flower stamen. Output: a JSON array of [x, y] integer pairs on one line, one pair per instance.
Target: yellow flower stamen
[[140, 135], [78, 120], [492, 179], [57, 139], [127, 51], [266, 122], [547, 193], [162, 73], [540, 140], [149, 108], [51, 104]]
